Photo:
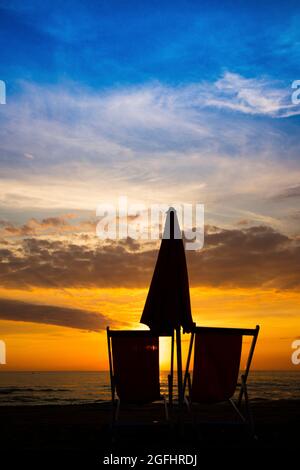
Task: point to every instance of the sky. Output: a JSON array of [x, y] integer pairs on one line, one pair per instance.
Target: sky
[[164, 103]]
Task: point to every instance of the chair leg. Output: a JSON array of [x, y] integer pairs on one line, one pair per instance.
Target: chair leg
[[170, 387], [118, 409], [115, 410], [188, 405], [236, 409], [249, 410], [114, 418], [166, 408]]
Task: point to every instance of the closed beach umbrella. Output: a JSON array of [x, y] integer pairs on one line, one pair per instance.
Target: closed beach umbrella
[[167, 306]]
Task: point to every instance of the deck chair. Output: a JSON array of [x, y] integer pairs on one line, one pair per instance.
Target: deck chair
[[134, 369], [217, 355]]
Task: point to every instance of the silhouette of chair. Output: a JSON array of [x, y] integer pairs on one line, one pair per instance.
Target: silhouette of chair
[[134, 369], [217, 355]]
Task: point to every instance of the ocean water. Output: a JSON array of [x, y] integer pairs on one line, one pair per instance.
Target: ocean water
[[41, 388]]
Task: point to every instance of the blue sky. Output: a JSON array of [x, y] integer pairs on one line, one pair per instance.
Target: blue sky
[[112, 43], [156, 100]]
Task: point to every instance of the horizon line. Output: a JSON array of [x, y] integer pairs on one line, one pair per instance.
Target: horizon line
[[162, 370]]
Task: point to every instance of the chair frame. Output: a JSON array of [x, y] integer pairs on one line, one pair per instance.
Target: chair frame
[[115, 400], [246, 418]]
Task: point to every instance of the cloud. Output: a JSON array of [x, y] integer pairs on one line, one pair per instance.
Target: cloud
[[39, 262], [153, 143], [49, 225], [28, 156], [243, 222], [256, 256], [56, 226], [14, 310], [170, 142], [257, 96], [291, 192]]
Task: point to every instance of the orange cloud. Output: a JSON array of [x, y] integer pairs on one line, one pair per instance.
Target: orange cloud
[[249, 257]]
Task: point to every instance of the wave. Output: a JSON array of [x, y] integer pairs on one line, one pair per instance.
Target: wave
[[11, 390], [44, 388]]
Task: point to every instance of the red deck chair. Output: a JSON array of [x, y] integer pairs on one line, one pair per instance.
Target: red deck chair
[[217, 355], [134, 368]]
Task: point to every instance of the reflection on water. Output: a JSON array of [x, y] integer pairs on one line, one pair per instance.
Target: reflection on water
[[39, 388]]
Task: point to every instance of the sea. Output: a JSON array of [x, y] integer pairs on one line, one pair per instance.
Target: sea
[[62, 388]]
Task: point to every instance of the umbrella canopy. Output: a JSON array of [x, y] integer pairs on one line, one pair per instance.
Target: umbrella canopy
[[167, 306]]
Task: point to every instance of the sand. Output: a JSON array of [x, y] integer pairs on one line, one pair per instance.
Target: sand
[[72, 430]]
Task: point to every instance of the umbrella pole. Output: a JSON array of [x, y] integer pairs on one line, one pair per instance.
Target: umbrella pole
[[179, 366]]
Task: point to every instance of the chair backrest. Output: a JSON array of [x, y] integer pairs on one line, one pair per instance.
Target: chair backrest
[[134, 365], [217, 356]]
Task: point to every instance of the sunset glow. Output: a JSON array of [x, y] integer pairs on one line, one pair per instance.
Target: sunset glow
[[35, 346], [160, 105]]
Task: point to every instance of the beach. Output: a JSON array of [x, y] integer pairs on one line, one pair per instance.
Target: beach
[[69, 413], [85, 430]]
